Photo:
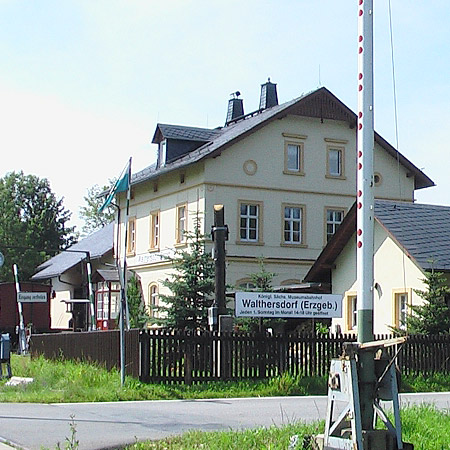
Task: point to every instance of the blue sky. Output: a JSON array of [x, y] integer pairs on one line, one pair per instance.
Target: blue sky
[[83, 83]]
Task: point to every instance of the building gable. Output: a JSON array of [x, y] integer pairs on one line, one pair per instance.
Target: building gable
[[422, 231], [320, 103]]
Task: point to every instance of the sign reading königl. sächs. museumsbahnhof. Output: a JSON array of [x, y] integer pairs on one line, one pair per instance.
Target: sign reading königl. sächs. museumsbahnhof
[[272, 304]]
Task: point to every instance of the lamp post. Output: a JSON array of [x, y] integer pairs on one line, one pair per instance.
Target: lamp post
[[219, 232]]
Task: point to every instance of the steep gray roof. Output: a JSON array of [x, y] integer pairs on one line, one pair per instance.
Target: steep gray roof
[[320, 103], [186, 133], [97, 244], [108, 274], [422, 230]]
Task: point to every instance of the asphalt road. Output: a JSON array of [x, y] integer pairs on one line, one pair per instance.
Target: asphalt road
[[111, 425]]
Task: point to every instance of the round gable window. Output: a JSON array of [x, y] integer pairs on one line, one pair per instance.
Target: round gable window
[[377, 179], [250, 167]]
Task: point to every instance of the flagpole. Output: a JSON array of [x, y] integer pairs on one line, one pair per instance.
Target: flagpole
[[123, 290], [122, 184]]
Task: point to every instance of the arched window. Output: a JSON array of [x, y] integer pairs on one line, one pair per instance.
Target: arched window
[[153, 299], [245, 284]]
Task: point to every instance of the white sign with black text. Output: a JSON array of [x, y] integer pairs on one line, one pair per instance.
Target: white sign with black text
[[32, 297], [272, 304]]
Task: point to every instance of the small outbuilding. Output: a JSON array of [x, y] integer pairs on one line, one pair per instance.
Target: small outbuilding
[[410, 239], [66, 273], [36, 316]]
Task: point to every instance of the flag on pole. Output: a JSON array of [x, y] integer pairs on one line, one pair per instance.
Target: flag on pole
[[121, 185]]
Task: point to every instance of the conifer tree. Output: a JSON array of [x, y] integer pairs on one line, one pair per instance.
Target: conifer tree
[[433, 317], [138, 312], [191, 285], [262, 279]]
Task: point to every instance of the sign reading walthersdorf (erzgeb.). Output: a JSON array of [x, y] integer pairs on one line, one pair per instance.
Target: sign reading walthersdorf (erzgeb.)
[[272, 304], [32, 297]]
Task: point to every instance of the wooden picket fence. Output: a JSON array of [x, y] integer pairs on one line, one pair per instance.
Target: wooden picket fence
[[181, 357], [175, 357], [102, 347]]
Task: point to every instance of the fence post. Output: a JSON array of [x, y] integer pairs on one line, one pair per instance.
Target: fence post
[[262, 355], [226, 356], [187, 361], [144, 349]]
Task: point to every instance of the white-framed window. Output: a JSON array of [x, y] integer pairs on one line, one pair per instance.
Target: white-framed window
[[335, 158], [292, 224], [108, 300], [153, 299], [334, 218], [102, 305], [293, 157], [335, 162], [115, 303], [401, 307], [154, 229], [181, 223], [163, 153], [249, 221], [352, 312], [131, 236], [293, 153]]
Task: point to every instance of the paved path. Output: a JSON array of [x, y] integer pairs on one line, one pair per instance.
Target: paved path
[[110, 425]]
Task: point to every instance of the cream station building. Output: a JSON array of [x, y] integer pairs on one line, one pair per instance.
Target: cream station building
[[284, 173]]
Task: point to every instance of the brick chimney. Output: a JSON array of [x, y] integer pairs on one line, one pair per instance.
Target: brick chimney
[[235, 107], [269, 95]]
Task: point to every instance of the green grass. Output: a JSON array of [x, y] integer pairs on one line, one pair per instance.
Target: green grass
[[423, 426], [66, 381], [273, 438], [426, 427], [432, 383]]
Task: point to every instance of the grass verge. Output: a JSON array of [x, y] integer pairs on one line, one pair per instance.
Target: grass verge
[[423, 426], [68, 381]]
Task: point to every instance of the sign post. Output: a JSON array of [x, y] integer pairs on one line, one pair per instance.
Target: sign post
[[22, 335]]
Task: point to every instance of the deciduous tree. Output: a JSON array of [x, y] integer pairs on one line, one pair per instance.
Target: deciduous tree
[[93, 219], [33, 224]]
